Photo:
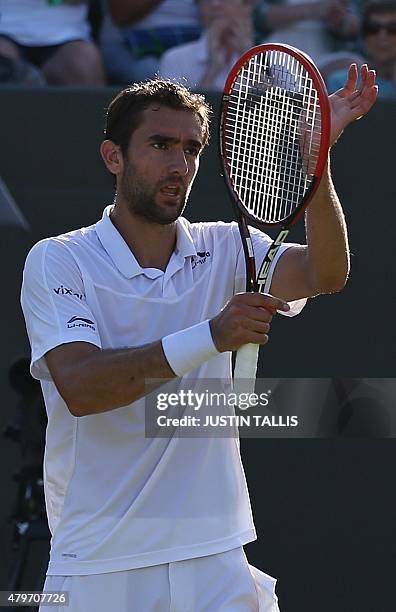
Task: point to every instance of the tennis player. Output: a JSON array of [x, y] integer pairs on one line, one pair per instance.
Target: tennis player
[[155, 524]]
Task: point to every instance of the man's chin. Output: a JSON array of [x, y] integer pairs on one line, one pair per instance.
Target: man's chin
[[167, 219], [168, 214], [163, 217]]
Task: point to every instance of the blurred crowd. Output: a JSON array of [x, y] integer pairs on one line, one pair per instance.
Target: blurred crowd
[[116, 42]]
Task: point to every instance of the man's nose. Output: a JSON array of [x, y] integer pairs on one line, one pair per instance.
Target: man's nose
[[178, 163]]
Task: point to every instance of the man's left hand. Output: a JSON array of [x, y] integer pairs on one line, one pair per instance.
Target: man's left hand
[[349, 104]]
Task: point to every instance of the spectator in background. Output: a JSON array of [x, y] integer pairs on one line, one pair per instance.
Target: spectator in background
[[379, 38], [135, 33], [53, 36], [205, 63], [312, 26], [19, 72]]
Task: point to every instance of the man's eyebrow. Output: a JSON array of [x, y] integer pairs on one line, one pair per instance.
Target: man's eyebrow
[[173, 140]]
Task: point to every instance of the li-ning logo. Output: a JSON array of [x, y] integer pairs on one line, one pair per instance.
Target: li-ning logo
[[66, 291], [84, 323], [200, 258]]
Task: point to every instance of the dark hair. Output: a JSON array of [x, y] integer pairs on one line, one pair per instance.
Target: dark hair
[[374, 7], [125, 110]]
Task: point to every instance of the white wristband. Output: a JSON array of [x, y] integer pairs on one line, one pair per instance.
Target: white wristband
[[187, 349]]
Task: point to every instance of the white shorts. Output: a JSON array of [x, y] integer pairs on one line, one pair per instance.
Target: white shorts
[[216, 583]]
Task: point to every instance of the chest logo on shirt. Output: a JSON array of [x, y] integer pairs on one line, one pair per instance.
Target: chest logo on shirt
[[66, 291], [73, 322], [200, 258]]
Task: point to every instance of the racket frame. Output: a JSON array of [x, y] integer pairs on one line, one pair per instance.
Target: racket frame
[[253, 282]]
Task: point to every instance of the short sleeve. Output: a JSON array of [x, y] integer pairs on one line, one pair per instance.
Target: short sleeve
[[54, 303], [261, 243]]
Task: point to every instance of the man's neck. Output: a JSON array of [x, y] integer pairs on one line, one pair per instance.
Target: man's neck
[[151, 243]]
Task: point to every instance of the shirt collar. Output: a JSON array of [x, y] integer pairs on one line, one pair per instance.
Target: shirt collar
[[185, 246], [121, 254]]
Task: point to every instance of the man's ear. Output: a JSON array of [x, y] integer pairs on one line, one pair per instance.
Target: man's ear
[[112, 156]]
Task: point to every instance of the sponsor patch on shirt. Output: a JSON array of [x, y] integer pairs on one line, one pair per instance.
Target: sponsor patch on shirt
[[200, 258], [66, 291], [80, 322]]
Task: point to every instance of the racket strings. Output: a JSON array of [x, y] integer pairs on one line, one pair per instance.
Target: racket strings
[[272, 135]]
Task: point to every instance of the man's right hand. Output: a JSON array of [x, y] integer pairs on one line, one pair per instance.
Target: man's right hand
[[246, 318]]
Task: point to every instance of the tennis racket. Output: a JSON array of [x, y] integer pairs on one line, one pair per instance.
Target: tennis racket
[[274, 141]]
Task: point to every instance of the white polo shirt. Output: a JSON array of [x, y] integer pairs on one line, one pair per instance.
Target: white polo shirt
[[115, 499]]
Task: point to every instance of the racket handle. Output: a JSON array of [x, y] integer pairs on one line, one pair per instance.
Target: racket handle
[[246, 368]]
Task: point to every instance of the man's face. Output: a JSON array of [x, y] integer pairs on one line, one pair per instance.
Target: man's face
[[161, 163], [380, 37]]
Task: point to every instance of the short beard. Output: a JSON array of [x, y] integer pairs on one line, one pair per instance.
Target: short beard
[[140, 194]]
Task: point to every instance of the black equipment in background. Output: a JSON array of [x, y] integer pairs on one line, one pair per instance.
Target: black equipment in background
[[30, 533]]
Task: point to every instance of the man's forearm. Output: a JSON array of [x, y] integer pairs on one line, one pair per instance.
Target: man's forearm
[[126, 12], [108, 379], [327, 240]]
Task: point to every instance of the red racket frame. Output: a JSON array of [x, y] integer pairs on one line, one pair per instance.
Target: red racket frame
[[242, 214]]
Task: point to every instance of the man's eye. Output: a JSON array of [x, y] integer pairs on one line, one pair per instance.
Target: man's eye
[[159, 145], [192, 151]]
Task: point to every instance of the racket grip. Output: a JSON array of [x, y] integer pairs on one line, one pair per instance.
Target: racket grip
[[246, 368]]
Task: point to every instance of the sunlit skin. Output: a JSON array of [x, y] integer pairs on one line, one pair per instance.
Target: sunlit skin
[[154, 180], [352, 101]]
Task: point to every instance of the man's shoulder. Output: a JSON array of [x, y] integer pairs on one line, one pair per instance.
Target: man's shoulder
[[212, 227], [222, 235], [61, 245], [215, 232]]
